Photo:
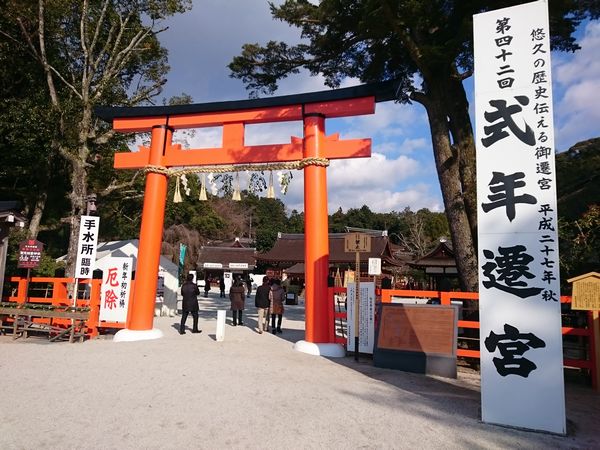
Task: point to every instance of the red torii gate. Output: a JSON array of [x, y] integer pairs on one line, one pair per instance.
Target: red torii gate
[[315, 147]]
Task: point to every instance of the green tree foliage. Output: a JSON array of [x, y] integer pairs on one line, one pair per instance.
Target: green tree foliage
[[87, 53], [418, 232], [580, 245], [578, 180], [28, 166], [48, 266], [426, 46], [296, 222]]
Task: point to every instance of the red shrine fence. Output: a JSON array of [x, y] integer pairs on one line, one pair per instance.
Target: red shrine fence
[[468, 338], [53, 291]]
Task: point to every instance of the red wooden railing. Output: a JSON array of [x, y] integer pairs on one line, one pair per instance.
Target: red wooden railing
[[54, 291], [445, 298]]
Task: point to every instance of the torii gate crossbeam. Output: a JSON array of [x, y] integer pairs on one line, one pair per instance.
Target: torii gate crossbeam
[[311, 108]]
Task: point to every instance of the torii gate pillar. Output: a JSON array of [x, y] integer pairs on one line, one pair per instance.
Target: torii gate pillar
[[141, 314], [316, 233]]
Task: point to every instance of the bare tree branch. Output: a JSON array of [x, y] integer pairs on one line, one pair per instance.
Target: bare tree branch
[[43, 56], [113, 185]]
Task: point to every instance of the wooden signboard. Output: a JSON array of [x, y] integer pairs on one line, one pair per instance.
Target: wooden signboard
[[417, 338], [586, 296], [30, 254], [586, 292], [357, 242], [421, 329]]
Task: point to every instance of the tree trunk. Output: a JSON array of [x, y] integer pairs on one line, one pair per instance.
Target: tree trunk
[[461, 131], [77, 197], [448, 168], [38, 211]]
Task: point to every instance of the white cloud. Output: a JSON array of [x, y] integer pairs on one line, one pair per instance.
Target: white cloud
[[577, 78], [272, 133], [401, 171], [378, 182], [209, 137], [366, 172], [378, 199], [584, 63], [389, 121], [410, 145]]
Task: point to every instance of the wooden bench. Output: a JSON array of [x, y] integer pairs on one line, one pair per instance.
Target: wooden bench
[[24, 314]]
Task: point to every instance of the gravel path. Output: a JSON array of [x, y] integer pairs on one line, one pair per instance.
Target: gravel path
[[249, 391]]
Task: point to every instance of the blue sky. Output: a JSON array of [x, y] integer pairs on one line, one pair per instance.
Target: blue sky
[[401, 171]]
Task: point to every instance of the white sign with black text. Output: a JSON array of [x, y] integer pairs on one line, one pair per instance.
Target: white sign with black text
[[86, 246], [521, 341], [374, 266], [366, 336]]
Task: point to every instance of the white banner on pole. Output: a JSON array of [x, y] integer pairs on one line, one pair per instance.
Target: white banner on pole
[[374, 266], [366, 337], [87, 244], [521, 340], [116, 284]]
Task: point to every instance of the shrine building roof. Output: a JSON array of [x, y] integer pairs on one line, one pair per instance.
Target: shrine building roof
[[289, 250]]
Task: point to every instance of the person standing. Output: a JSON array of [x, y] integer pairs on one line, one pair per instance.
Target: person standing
[[262, 303], [206, 285], [222, 286], [237, 295], [276, 297], [249, 281], [189, 292]]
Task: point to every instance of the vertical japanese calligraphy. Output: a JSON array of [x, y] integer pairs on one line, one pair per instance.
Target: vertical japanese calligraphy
[[521, 361], [367, 316], [114, 293], [86, 246]]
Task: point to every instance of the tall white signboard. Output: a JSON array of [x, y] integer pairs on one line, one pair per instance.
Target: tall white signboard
[[116, 284], [367, 316], [521, 352], [86, 246]]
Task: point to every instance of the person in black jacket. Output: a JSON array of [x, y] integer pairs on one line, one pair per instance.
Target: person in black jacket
[[189, 292], [222, 286], [262, 302]]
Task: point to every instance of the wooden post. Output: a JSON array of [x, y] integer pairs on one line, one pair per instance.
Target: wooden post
[[357, 308], [596, 338]]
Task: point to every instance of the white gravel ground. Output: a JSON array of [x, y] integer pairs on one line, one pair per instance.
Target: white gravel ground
[[249, 391]]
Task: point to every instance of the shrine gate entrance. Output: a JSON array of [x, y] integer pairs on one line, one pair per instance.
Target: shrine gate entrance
[[311, 153]]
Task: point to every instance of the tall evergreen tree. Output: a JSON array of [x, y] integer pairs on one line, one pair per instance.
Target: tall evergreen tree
[[426, 46], [89, 52]]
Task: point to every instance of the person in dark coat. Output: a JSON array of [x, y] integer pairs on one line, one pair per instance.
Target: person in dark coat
[[262, 303], [248, 286], [206, 285], [386, 283], [189, 292], [222, 286], [276, 297], [237, 295]]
